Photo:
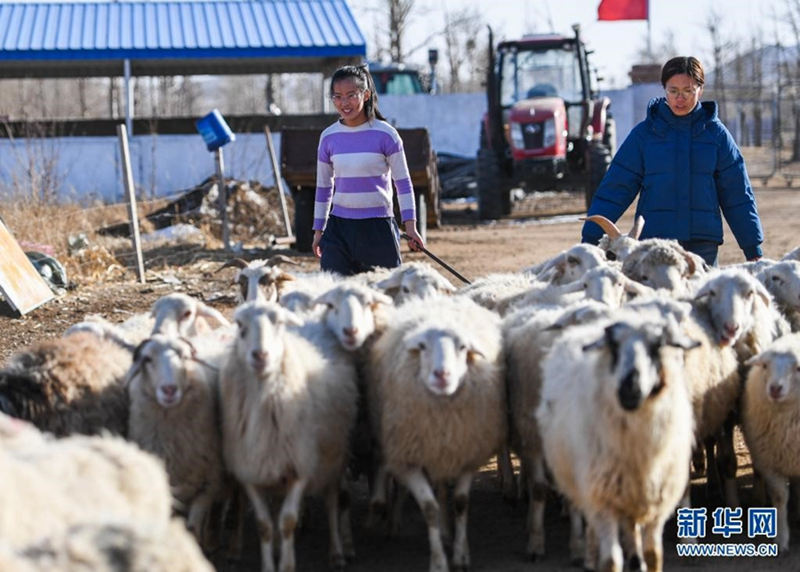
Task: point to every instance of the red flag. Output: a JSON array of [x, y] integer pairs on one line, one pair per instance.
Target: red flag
[[622, 10]]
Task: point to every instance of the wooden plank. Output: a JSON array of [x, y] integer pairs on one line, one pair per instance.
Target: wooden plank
[[22, 286]]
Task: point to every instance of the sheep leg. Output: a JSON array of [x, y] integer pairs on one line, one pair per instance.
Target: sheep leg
[[577, 543], [632, 544], [377, 501], [505, 471], [778, 491], [345, 522], [197, 520], [235, 504], [397, 503], [444, 514], [727, 460], [290, 510], [712, 470], [609, 551], [794, 497], [264, 520], [653, 533], [414, 480], [461, 504], [536, 484], [590, 553]]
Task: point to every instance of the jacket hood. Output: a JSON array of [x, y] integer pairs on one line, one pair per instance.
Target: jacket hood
[[660, 116]]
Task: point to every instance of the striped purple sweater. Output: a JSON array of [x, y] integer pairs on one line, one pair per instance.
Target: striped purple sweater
[[360, 160]]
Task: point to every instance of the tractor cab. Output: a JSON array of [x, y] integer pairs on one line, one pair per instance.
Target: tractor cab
[[544, 125]]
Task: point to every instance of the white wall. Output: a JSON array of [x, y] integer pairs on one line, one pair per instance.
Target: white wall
[[89, 167]]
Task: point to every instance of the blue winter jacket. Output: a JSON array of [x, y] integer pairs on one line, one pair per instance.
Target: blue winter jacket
[[685, 170]]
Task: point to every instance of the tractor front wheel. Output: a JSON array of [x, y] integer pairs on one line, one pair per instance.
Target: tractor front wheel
[[599, 160], [494, 199]]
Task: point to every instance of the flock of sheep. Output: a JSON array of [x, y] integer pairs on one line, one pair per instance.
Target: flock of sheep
[[606, 370]]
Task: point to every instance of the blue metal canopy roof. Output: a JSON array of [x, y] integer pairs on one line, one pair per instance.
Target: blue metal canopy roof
[[178, 37]]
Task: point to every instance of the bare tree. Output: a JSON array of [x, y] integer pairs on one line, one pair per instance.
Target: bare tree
[[462, 27], [719, 47], [792, 72]]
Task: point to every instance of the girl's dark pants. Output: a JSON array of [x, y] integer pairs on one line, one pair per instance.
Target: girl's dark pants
[[350, 246]]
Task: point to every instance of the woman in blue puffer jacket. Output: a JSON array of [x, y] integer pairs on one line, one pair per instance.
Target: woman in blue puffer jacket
[[686, 169]]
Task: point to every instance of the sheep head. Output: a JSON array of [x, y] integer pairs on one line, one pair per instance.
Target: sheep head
[[163, 366], [350, 313], [635, 355], [260, 339], [780, 370], [181, 315], [444, 355], [782, 279], [415, 280], [732, 298], [616, 245]]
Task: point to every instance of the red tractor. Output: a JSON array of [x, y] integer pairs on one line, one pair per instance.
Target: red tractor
[[545, 127]]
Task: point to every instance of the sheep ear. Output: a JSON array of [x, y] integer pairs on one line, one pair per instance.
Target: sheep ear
[[136, 366], [636, 288], [394, 280], [381, 298], [473, 354], [325, 298], [757, 359], [764, 295], [638, 226], [212, 314]]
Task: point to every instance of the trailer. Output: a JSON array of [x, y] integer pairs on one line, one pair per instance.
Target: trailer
[[299, 170]]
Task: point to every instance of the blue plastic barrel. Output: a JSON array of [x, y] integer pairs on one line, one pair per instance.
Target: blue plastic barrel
[[214, 130]]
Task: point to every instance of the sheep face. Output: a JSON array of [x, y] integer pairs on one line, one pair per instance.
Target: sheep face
[[261, 283], [634, 355], [162, 364], [781, 375], [732, 298], [444, 358], [782, 279], [574, 263], [350, 313], [260, 340], [410, 282], [174, 314], [609, 286]]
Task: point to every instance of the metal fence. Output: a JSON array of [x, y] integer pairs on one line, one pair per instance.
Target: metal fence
[[766, 125]]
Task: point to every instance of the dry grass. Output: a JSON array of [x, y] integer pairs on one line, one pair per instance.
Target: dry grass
[[254, 214]]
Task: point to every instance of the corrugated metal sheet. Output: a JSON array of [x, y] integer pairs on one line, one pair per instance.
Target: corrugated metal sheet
[[178, 29]]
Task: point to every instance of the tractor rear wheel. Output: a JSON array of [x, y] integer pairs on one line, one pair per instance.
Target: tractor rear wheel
[[494, 199], [599, 160]]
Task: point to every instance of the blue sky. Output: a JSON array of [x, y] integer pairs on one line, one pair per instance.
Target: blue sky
[[615, 43]]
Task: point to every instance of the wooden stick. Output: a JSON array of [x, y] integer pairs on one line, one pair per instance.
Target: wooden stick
[[278, 180], [130, 192]]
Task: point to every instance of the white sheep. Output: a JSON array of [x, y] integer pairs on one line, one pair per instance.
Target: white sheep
[[569, 265], [108, 546], [604, 284], [771, 422], [68, 385], [251, 277], [288, 404], [664, 264], [793, 254], [414, 280], [492, 289], [48, 485], [354, 312], [181, 315], [173, 389], [616, 245], [741, 312], [528, 335], [782, 280], [438, 404], [616, 425]]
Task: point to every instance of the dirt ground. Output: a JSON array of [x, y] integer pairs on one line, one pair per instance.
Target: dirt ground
[[496, 529]]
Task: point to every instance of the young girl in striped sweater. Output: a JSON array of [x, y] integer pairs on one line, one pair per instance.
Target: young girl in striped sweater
[[354, 225]]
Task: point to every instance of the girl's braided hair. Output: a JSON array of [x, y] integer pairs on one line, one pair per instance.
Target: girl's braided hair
[[362, 78]]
